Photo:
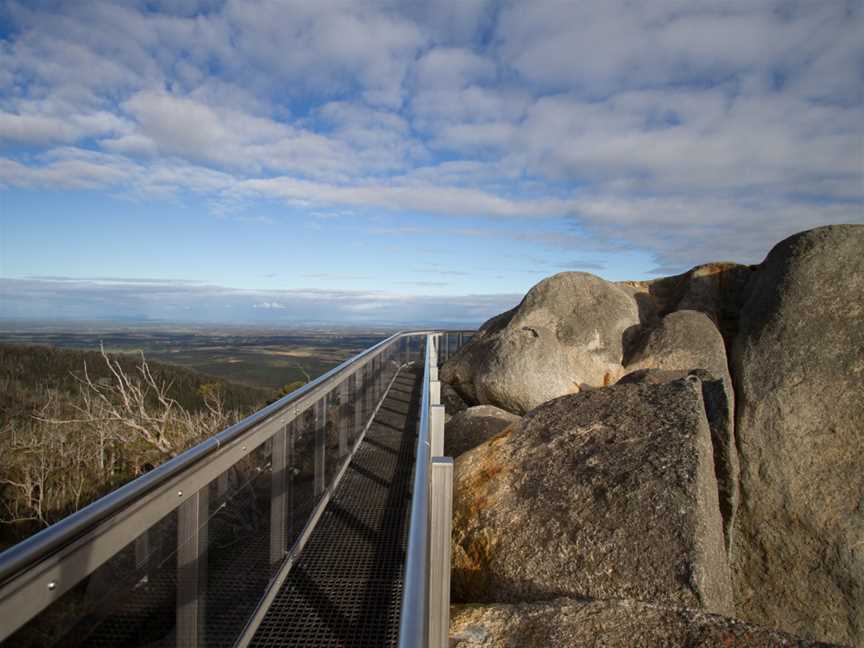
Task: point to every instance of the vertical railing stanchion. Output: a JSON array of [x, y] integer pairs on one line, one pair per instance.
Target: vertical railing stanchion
[[379, 369], [440, 528], [290, 472], [436, 430], [434, 392], [142, 550], [433, 357], [192, 569], [459, 340], [343, 421], [354, 395], [367, 390], [371, 396], [320, 409], [279, 467], [376, 363], [222, 485], [441, 349]]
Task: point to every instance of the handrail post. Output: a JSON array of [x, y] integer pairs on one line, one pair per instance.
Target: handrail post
[[436, 430], [142, 550], [440, 529], [434, 392], [192, 569], [367, 388], [343, 422], [320, 436], [379, 378], [433, 358], [279, 485], [356, 406]]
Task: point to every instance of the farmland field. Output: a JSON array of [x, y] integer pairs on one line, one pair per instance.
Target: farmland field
[[269, 358]]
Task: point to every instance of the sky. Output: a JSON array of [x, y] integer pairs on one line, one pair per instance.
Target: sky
[[355, 161]]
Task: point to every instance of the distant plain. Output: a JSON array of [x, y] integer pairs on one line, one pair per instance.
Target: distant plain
[[269, 358]]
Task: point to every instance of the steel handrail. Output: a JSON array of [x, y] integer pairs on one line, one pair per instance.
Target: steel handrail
[[42, 544], [414, 618]]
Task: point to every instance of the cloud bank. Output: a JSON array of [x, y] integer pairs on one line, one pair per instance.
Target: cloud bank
[[690, 130], [62, 298]]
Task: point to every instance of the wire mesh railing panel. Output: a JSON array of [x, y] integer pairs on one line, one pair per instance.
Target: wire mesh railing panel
[[239, 531], [130, 600], [449, 343]]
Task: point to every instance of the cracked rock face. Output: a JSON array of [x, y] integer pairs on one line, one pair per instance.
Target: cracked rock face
[[605, 494], [798, 367], [565, 335], [568, 623], [683, 342]]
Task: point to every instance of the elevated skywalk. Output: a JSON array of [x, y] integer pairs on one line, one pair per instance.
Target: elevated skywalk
[[321, 520], [346, 589]]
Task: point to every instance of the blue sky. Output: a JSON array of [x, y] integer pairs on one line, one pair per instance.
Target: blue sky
[[400, 161]]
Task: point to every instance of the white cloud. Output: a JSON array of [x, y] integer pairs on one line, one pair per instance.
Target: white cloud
[[44, 128], [599, 45], [687, 141], [687, 231], [69, 174], [452, 68], [663, 124], [413, 196], [454, 23], [36, 129], [327, 47], [75, 298]]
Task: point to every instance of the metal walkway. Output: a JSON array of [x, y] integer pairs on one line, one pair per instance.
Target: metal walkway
[[323, 519], [346, 589]]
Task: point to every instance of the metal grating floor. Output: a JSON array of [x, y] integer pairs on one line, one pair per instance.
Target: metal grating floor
[[346, 589]]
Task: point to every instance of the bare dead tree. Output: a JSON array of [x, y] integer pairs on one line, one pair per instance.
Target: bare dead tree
[[66, 456]]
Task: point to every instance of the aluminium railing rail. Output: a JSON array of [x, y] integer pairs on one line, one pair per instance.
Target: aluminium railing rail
[[154, 539], [171, 543], [43, 543], [425, 612]]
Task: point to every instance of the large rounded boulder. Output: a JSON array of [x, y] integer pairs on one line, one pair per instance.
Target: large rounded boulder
[[609, 493], [566, 334], [798, 367], [473, 426], [685, 339], [715, 289], [568, 623], [688, 341]]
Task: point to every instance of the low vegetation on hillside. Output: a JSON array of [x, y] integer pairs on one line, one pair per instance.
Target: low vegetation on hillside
[[75, 425]]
